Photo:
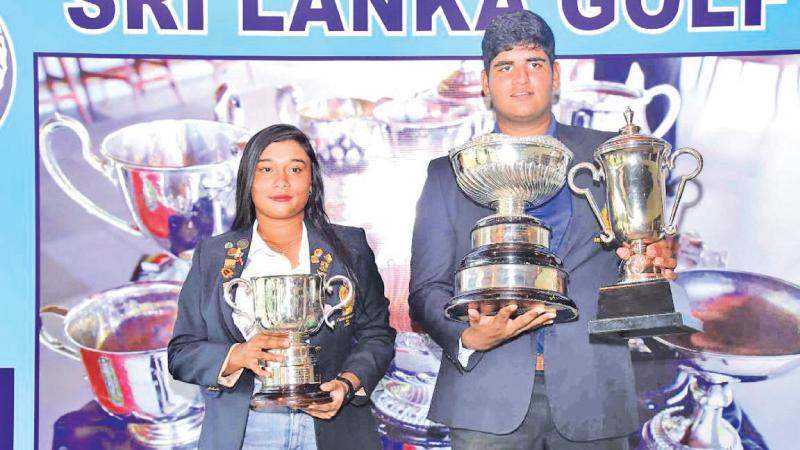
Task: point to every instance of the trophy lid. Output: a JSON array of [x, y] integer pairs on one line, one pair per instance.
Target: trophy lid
[[630, 138]]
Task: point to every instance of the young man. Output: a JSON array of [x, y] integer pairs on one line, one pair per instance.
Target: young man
[[491, 391]]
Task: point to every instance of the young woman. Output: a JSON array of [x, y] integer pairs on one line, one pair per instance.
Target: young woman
[[281, 228]]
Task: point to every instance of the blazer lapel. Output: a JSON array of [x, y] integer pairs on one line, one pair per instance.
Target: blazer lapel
[[240, 239], [323, 260]]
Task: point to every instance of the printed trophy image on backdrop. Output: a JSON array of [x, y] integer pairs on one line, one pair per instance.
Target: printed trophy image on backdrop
[[751, 332], [598, 104], [177, 176], [121, 337], [635, 169], [292, 305], [510, 261]]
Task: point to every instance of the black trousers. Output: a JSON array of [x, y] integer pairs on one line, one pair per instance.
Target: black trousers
[[537, 432]]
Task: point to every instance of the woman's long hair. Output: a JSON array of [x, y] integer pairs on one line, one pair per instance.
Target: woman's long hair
[[315, 207]]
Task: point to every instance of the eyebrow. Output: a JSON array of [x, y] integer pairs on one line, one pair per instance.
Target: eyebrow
[[531, 59], [270, 160]]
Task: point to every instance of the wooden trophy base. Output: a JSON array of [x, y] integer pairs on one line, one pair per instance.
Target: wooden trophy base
[[637, 310]]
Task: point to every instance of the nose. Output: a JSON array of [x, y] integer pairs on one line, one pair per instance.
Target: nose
[[520, 76], [281, 180]]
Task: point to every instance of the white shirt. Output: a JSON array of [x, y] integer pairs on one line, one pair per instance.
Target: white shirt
[[261, 261]]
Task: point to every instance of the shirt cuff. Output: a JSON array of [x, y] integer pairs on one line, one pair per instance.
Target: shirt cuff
[[464, 354], [229, 380]]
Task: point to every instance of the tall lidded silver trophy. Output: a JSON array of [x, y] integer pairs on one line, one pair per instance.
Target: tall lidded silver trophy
[[291, 305], [635, 169], [510, 261]]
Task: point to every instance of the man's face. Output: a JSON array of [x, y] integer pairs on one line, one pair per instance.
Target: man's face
[[520, 83]]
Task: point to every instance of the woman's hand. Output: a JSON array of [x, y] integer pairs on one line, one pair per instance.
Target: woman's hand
[[338, 391], [659, 254], [256, 349]]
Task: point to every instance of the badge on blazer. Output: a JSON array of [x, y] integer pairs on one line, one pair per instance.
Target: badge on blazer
[[233, 257]]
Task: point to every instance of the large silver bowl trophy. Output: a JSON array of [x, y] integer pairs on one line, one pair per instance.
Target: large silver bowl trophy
[[294, 306], [510, 261], [751, 332], [120, 335], [635, 169], [177, 176]]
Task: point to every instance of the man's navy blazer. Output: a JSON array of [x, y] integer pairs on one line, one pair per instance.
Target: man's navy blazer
[[590, 385], [204, 332]]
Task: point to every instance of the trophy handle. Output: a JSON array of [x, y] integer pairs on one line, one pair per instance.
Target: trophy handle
[[52, 342], [286, 100], [227, 295], [670, 228], [101, 165], [228, 106], [607, 236], [674, 99], [348, 300]]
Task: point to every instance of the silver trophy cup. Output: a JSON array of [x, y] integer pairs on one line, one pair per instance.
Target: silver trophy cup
[[635, 168], [751, 333], [293, 306], [510, 261], [177, 176], [121, 335]]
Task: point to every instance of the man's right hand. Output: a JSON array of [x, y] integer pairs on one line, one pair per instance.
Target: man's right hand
[[486, 332], [256, 349]]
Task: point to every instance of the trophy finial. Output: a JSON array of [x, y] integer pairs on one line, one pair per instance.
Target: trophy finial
[[629, 127]]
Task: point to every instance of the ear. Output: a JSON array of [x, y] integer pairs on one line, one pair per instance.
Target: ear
[[485, 84], [556, 76]]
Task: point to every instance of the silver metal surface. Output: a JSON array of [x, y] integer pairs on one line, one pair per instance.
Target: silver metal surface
[[635, 169], [598, 104], [510, 232], [751, 332], [289, 302], [510, 276], [177, 176], [294, 305], [494, 167], [121, 337]]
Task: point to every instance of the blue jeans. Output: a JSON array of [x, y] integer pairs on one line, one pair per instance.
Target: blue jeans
[[285, 429]]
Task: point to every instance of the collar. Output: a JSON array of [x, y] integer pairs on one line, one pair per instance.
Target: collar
[[258, 246]]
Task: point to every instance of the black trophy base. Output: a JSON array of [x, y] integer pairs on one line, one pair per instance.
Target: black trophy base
[[489, 301], [295, 397], [637, 310]]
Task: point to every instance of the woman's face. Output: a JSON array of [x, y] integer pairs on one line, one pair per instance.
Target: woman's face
[[282, 181]]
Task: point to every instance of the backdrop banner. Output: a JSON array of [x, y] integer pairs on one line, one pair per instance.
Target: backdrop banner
[[120, 122]]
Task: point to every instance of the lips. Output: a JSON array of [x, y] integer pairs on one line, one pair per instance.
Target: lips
[[522, 94], [280, 198]]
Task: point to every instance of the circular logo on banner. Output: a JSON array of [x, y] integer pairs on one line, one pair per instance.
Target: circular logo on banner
[[7, 71]]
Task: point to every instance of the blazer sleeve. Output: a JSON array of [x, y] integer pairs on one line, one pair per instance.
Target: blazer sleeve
[[190, 355], [374, 338], [433, 249]]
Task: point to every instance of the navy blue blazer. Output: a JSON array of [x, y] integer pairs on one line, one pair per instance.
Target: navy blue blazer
[[204, 332], [590, 385]]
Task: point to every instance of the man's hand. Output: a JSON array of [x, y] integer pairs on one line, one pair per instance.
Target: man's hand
[[486, 332], [338, 390], [256, 349], [659, 254]]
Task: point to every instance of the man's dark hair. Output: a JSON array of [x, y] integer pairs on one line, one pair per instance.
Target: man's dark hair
[[519, 28]]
